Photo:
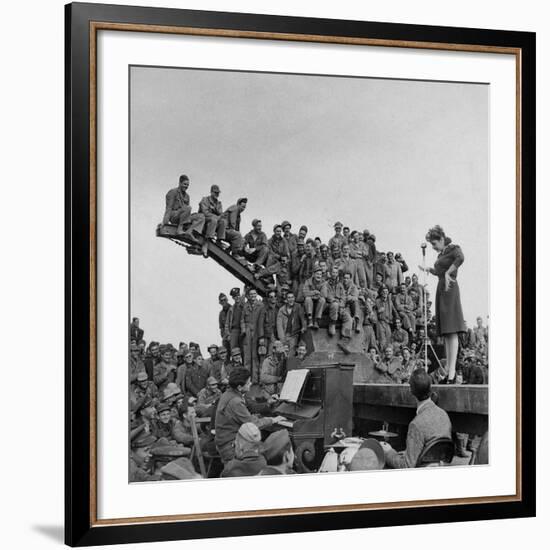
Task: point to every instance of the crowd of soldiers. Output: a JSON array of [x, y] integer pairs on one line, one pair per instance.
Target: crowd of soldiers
[[345, 285]]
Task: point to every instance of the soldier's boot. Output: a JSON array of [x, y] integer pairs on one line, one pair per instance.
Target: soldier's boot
[[332, 329], [205, 249], [309, 321], [316, 323], [344, 345]]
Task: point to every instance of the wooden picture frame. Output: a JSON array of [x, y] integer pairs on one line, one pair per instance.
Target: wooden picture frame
[[83, 22]]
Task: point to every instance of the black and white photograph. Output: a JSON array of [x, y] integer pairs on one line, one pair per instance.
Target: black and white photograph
[[309, 271]]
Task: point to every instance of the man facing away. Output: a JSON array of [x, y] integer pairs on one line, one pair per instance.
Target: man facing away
[[178, 209], [279, 454], [430, 423]]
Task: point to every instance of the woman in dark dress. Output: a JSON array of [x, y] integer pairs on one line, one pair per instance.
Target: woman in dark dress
[[448, 310]]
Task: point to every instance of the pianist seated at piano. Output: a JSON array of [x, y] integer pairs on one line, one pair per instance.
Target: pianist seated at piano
[[232, 413]]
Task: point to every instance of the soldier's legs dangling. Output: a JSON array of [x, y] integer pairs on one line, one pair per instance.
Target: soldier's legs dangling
[[347, 322], [333, 317]]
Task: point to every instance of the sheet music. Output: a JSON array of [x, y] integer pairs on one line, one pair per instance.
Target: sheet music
[[295, 380]]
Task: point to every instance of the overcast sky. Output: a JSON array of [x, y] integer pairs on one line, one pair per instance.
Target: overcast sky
[[395, 157]]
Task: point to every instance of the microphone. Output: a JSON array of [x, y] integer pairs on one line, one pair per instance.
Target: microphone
[[423, 247]]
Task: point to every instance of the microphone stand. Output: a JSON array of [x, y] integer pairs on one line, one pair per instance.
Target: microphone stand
[[427, 342], [424, 305]]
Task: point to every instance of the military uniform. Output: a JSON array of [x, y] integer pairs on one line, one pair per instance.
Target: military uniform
[[178, 211], [315, 296], [386, 315], [205, 401], [271, 374], [172, 430], [370, 319], [233, 323], [232, 217], [400, 338], [230, 415], [250, 464], [258, 241], [291, 324], [163, 373], [405, 308], [252, 330], [195, 379], [335, 296], [214, 222]]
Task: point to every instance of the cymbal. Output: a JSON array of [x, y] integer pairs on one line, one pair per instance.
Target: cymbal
[[383, 433]]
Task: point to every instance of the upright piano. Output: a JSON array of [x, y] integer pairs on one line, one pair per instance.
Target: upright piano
[[319, 409]]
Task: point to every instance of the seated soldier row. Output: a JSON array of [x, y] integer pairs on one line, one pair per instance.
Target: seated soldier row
[[285, 258]]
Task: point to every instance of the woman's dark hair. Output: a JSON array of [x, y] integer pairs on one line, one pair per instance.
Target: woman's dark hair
[[421, 384], [436, 233], [238, 377]]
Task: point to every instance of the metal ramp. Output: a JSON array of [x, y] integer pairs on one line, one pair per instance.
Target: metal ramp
[[193, 245]]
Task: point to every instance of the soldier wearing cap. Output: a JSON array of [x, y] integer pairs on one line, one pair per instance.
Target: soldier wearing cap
[[338, 239], [315, 297], [233, 320], [178, 210], [302, 233], [232, 218], [168, 427], [140, 454], [251, 332], [279, 454], [211, 207], [255, 245], [143, 392], [248, 459], [290, 238], [232, 413], [207, 397]]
